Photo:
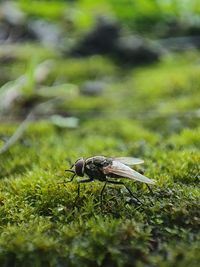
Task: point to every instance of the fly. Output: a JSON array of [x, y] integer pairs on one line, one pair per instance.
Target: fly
[[108, 170]]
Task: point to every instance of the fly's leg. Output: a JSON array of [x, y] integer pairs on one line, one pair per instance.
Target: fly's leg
[[78, 189], [136, 200], [71, 178], [85, 181], [102, 190], [71, 171], [78, 194], [70, 162]]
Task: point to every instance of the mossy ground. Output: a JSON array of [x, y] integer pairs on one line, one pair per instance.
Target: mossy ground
[[150, 112]]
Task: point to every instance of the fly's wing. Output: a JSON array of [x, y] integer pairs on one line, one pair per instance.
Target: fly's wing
[[124, 171], [129, 160]]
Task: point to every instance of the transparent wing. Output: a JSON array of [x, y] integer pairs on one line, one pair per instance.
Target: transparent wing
[[124, 171], [129, 160]]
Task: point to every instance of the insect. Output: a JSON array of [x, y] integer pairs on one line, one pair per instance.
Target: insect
[[108, 170]]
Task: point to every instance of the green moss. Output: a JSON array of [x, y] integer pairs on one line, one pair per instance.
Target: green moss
[[187, 139], [42, 223]]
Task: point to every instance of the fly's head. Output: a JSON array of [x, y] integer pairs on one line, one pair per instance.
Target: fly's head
[[79, 167]]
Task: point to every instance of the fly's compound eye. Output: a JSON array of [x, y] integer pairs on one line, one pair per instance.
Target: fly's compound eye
[[79, 167]]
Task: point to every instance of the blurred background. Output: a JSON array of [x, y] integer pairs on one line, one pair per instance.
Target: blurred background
[[70, 61], [110, 77]]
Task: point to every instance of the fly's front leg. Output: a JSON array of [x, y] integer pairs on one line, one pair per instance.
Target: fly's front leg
[[70, 162], [71, 178], [69, 170], [136, 200], [81, 182], [78, 194], [78, 188]]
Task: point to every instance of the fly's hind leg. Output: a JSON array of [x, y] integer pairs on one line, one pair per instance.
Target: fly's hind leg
[[135, 199]]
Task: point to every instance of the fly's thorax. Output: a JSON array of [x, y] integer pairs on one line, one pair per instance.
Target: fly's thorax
[[98, 161], [79, 167], [94, 159]]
